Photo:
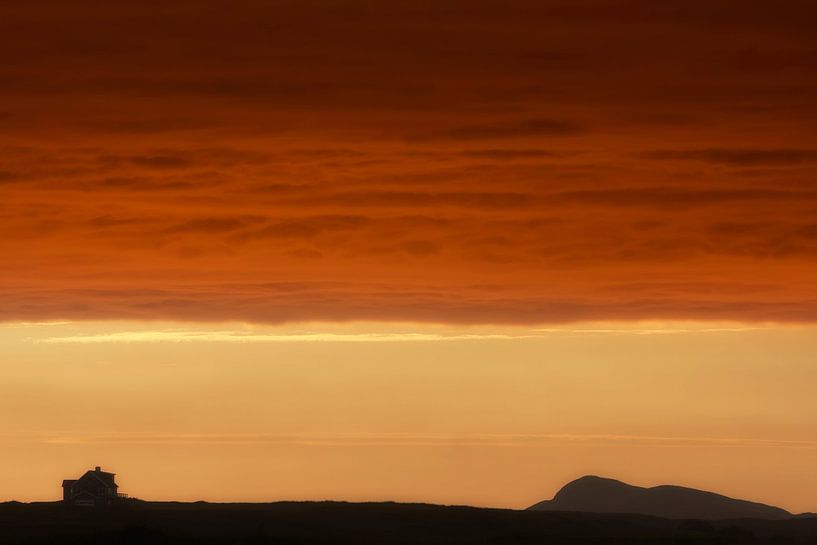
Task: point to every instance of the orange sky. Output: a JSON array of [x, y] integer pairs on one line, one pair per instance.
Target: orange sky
[[513, 162], [483, 416], [495, 167]]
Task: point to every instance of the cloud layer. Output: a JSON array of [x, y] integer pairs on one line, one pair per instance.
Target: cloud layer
[[515, 162]]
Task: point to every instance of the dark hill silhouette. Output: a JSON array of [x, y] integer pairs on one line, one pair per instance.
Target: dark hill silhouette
[[591, 494], [334, 523]]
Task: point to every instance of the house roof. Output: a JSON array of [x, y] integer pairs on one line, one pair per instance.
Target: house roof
[[93, 477], [102, 476]]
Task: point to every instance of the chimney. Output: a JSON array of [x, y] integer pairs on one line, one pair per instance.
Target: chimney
[[97, 469]]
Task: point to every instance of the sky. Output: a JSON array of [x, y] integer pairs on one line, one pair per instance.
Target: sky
[[406, 250]]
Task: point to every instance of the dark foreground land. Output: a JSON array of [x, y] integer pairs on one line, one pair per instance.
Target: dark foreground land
[[371, 523]]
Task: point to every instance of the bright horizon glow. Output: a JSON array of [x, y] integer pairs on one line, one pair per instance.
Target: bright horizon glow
[[367, 332], [484, 415]]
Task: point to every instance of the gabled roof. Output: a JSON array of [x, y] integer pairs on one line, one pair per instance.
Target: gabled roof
[[103, 477], [93, 478]]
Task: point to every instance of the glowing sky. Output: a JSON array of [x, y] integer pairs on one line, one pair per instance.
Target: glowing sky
[[366, 225], [486, 416]]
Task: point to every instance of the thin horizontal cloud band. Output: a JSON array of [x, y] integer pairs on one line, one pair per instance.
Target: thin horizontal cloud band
[[410, 439], [238, 337], [188, 336], [444, 306]]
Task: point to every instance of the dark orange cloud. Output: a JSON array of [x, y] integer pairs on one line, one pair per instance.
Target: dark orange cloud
[[510, 162], [750, 157]]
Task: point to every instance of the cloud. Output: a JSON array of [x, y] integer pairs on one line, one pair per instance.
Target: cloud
[[738, 156], [413, 439], [243, 337], [508, 154], [523, 128], [408, 199], [523, 162], [8, 177], [301, 335], [671, 197], [214, 225], [160, 161], [311, 226]]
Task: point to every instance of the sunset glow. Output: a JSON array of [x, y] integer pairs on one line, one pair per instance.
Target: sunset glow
[[408, 412], [416, 251]]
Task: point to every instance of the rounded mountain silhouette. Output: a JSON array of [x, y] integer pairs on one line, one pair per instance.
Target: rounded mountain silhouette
[[593, 494]]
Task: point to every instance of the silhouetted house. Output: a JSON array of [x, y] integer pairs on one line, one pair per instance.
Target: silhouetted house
[[96, 488]]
